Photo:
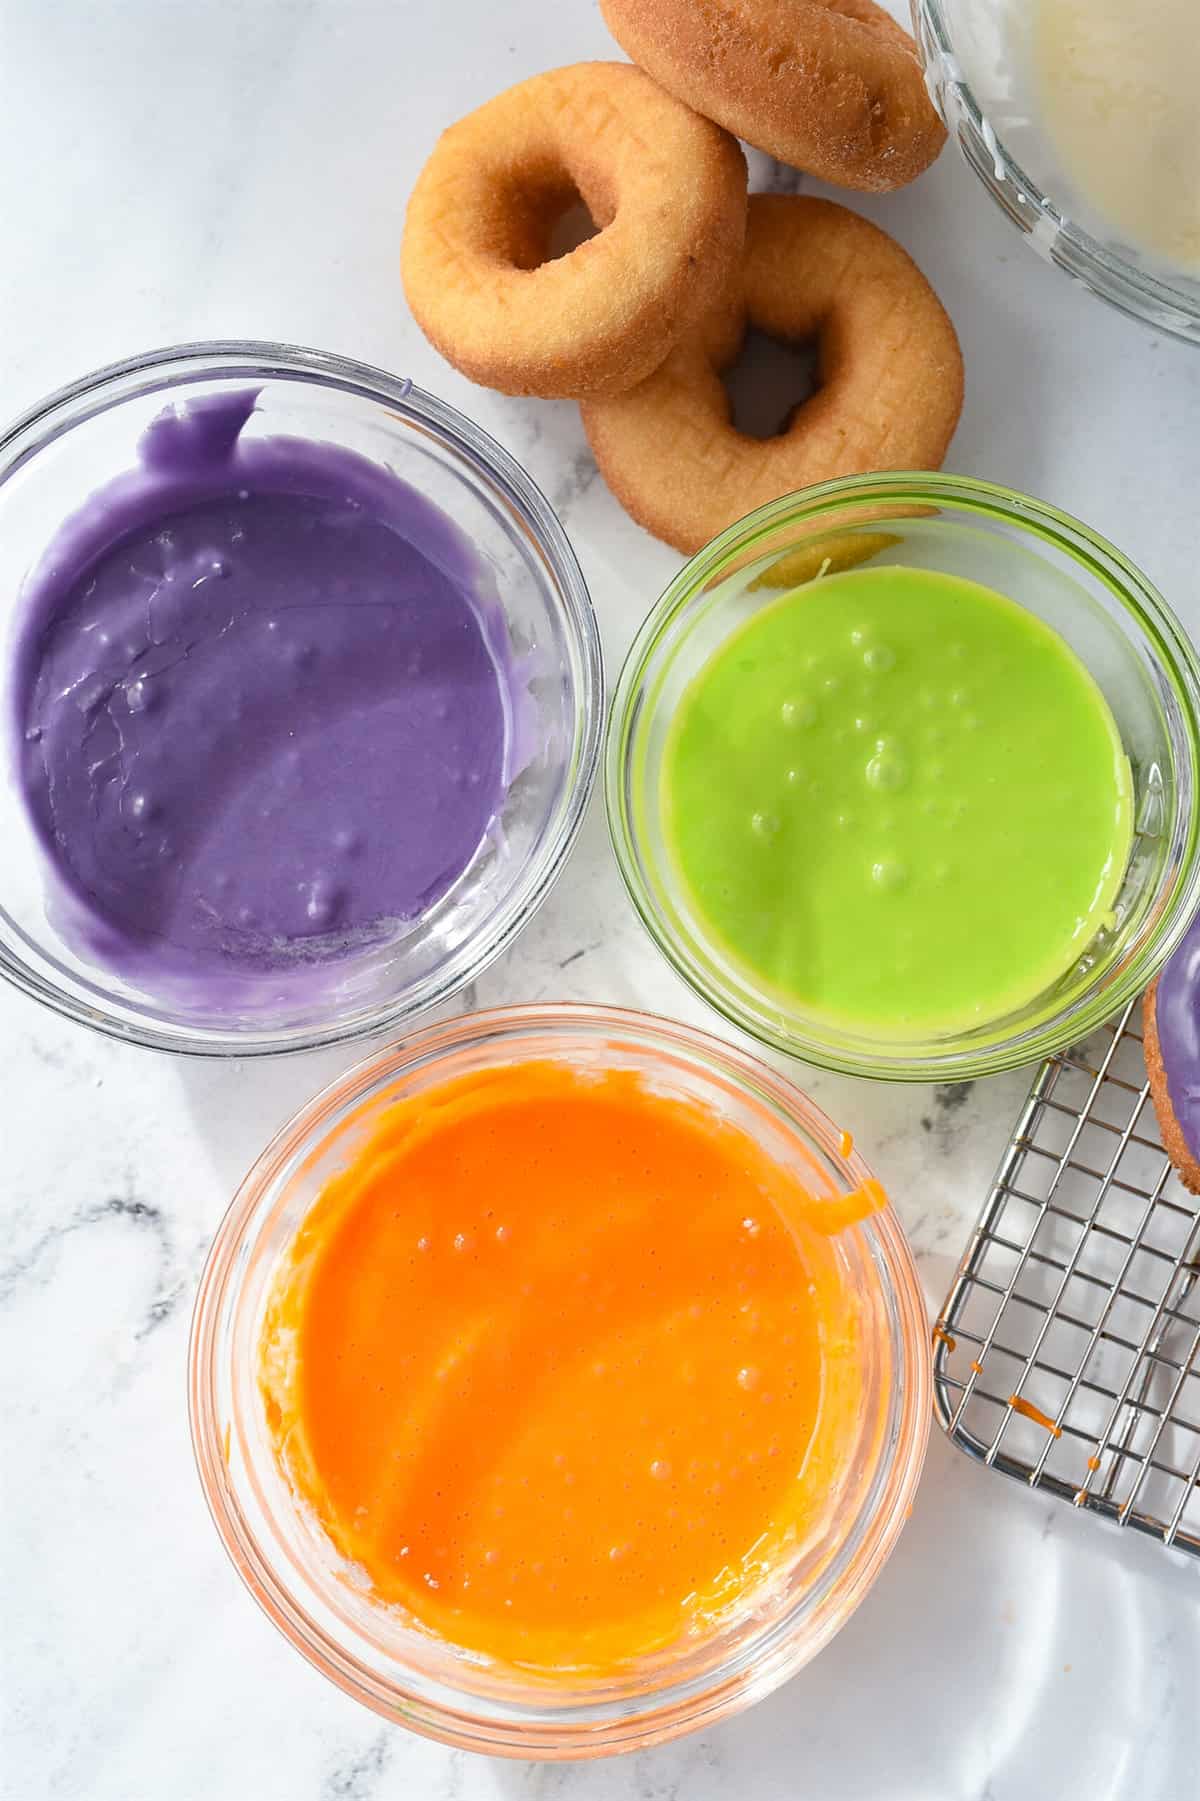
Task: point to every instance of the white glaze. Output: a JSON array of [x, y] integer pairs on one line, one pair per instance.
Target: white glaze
[[1118, 88]]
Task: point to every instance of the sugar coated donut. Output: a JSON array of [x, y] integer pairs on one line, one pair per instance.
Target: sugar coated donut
[[889, 372], [831, 86], [1172, 1033], [666, 188]]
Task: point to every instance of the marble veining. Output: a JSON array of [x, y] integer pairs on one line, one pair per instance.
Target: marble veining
[[142, 1216], [358, 1778], [242, 171]]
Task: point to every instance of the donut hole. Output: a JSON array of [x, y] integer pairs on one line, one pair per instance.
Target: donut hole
[[543, 216], [573, 227], [767, 381]]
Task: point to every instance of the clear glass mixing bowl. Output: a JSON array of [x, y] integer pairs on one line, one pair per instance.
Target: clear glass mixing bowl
[[55, 457], [1083, 587], [370, 1650], [978, 68]]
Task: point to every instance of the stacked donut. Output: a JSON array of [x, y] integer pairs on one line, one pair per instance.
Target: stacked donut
[[639, 322]]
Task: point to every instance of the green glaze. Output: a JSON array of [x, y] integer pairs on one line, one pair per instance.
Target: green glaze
[[897, 800]]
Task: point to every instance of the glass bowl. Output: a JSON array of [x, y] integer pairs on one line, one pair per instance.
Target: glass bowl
[[978, 69], [369, 1650], [55, 457], [1080, 585]]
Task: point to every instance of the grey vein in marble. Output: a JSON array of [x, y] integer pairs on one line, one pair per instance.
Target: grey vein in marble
[[359, 1776], [143, 1216]]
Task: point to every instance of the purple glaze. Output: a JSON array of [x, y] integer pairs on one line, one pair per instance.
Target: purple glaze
[[264, 703], [1177, 1019]]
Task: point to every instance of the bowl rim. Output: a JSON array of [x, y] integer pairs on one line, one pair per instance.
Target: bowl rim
[[967, 496], [721, 1692], [235, 359], [1153, 299]]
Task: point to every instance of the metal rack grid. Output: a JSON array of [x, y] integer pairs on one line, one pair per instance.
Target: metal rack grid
[[1068, 1351]]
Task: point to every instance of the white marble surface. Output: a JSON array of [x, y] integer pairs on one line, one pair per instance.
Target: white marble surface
[[169, 170]]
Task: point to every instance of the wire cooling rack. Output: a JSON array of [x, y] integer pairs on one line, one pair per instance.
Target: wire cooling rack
[[1068, 1351]]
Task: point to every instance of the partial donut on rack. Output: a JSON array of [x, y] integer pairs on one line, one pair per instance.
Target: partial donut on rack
[[834, 87], [890, 378], [665, 187], [1171, 1026]]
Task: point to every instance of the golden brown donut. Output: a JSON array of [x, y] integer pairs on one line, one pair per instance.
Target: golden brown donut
[[889, 371], [666, 188], [1174, 1141], [831, 86]]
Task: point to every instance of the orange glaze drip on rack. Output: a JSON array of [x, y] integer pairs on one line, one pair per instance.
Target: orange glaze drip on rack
[[1028, 1411]]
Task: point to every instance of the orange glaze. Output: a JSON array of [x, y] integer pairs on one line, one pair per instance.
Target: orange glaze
[[1028, 1411], [566, 1365]]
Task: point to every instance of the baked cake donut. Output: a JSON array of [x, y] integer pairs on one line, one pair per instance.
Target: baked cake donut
[[1172, 1034], [831, 86], [666, 188], [889, 370]]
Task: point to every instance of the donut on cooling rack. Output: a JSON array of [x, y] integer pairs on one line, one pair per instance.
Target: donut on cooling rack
[[666, 188], [889, 370], [831, 86], [1171, 1026]]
